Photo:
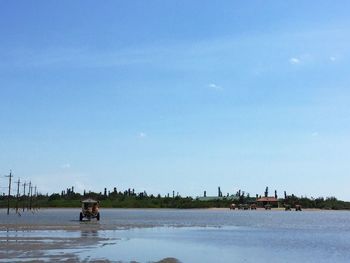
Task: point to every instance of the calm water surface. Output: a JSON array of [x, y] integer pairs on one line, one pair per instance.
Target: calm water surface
[[194, 235]]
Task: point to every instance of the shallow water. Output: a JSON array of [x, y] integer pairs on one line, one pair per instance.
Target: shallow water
[[188, 235]]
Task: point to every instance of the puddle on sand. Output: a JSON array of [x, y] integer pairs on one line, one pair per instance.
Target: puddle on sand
[[139, 245], [187, 244], [155, 244], [46, 245]]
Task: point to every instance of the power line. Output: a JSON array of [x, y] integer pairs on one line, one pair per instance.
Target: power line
[[17, 196], [29, 195], [28, 198], [24, 194], [8, 197]]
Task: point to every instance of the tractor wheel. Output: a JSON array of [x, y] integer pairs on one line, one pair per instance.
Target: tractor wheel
[[98, 217], [81, 216]]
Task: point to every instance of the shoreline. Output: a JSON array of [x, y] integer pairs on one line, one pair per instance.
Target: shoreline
[[28, 220], [170, 208], [12, 211]]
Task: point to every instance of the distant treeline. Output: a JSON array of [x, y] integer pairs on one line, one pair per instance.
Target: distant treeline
[[329, 203], [130, 199]]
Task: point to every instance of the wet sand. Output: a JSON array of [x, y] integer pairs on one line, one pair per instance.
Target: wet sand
[[57, 244], [45, 243], [49, 246], [32, 242], [166, 235]]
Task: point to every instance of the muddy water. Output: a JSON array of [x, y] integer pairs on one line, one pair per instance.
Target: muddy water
[[125, 235]]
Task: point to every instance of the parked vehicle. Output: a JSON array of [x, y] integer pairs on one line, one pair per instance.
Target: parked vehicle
[[89, 209], [287, 208], [268, 207], [243, 206]]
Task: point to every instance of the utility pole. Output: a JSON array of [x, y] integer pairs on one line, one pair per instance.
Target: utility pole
[[29, 187], [35, 197], [8, 197], [24, 194], [17, 196], [30, 197]]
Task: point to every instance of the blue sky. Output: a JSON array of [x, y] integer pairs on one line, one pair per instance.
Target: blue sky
[[176, 95]]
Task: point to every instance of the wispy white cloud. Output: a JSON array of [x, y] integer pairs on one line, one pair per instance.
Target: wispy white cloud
[[294, 60], [142, 135], [314, 134], [215, 86], [66, 166]]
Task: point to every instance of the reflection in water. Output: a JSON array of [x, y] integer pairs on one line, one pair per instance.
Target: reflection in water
[[225, 244], [89, 233], [196, 236]]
